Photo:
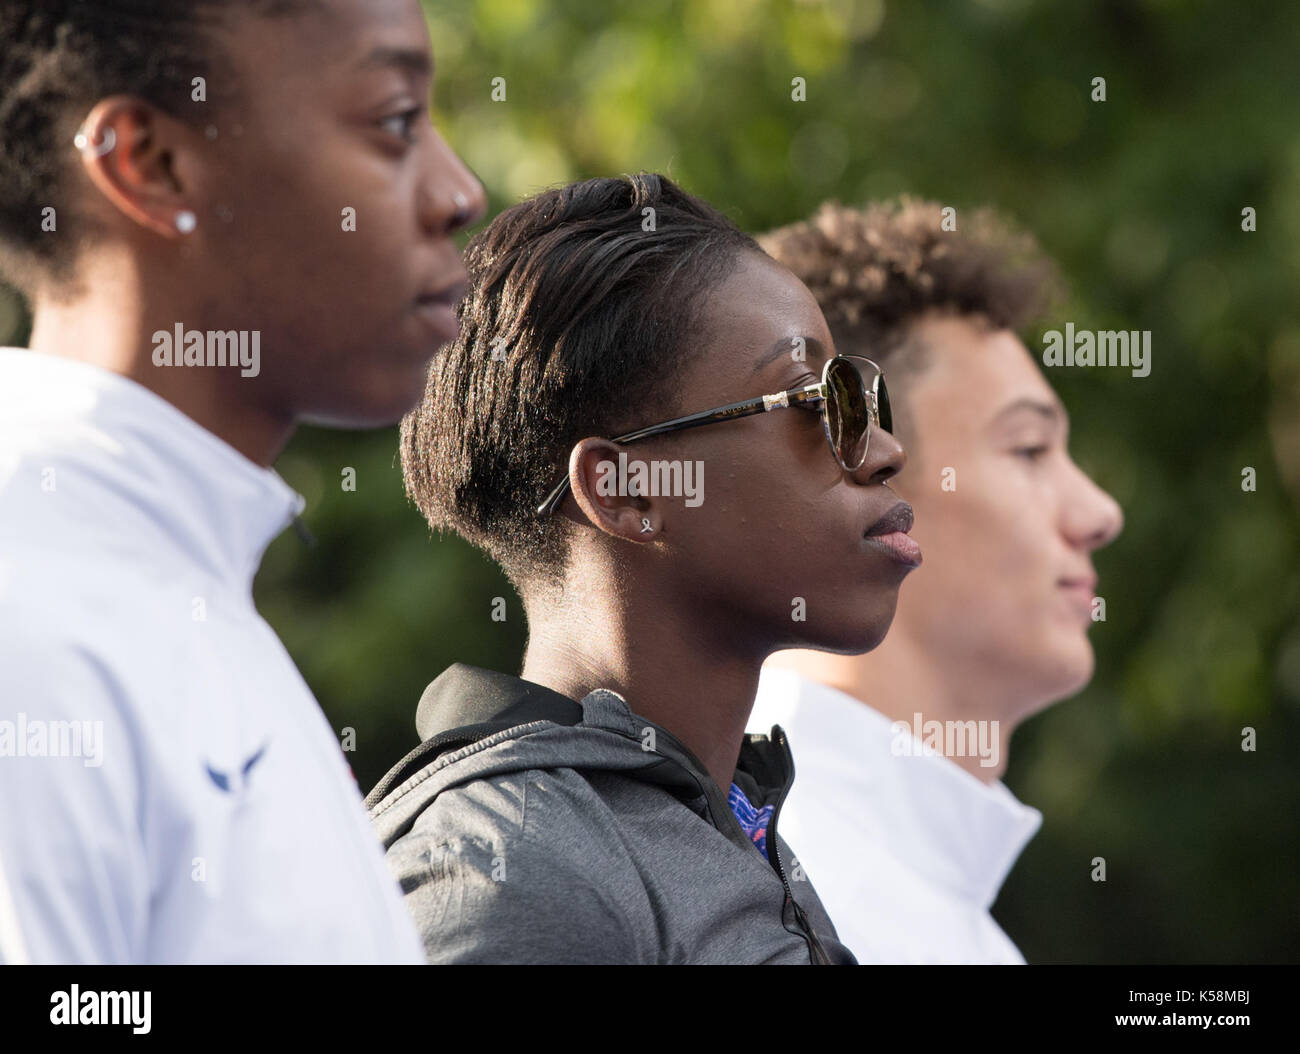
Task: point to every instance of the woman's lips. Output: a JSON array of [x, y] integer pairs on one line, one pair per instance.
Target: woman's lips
[[889, 534], [902, 547], [440, 317], [436, 308]]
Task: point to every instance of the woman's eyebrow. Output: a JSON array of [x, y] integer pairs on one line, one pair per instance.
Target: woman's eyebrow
[[414, 61], [812, 347]]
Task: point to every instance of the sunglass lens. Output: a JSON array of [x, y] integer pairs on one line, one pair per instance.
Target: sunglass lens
[[848, 415], [882, 404]]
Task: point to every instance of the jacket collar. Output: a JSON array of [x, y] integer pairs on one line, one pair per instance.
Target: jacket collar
[[466, 702], [467, 695], [154, 466], [926, 809]]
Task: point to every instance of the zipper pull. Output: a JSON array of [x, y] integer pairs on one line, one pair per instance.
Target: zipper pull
[[819, 956]]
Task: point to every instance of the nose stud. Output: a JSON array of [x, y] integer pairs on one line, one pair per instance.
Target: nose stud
[[462, 209]]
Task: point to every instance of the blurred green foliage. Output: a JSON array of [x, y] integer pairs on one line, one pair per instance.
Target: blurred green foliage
[[1139, 197]]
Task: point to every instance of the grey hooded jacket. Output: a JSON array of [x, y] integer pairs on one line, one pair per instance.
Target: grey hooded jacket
[[529, 828]]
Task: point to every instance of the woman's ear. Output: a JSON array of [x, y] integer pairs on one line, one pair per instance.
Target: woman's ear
[[130, 150], [600, 485]]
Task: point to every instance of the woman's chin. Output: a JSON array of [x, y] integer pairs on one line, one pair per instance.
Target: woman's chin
[[851, 641]]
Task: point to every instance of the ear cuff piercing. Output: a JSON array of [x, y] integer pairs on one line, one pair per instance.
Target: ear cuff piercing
[[82, 142]]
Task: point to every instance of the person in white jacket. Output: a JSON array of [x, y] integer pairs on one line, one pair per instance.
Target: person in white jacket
[[227, 218], [898, 810]]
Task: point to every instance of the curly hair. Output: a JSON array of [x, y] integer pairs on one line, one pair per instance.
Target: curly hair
[[60, 57], [575, 318], [877, 270]]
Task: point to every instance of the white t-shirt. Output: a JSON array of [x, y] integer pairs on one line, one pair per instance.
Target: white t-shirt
[[908, 851], [169, 788]]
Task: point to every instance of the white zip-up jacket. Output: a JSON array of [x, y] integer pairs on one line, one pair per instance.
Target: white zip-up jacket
[[169, 788]]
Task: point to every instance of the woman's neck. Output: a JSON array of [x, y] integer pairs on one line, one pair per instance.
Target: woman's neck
[[108, 320], [669, 673]]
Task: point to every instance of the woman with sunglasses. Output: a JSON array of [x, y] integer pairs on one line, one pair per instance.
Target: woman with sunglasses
[[606, 805]]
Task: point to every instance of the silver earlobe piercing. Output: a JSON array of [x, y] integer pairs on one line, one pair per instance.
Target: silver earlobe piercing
[[645, 526], [186, 221]]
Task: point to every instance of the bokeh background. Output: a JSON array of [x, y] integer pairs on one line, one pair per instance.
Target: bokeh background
[[1139, 198]]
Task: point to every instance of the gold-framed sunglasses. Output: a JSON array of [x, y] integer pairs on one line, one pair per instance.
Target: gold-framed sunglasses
[[849, 407]]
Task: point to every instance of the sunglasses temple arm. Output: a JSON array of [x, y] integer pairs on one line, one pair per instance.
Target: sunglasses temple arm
[[747, 408]]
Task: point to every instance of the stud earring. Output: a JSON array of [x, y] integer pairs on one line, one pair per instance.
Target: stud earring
[[186, 221], [645, 526]]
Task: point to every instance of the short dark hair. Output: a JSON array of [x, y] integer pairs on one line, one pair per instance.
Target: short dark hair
[[60, 57], [582, 301], [877, 270]]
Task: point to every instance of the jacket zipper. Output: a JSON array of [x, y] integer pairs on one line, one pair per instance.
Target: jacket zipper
[[818, 953]]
